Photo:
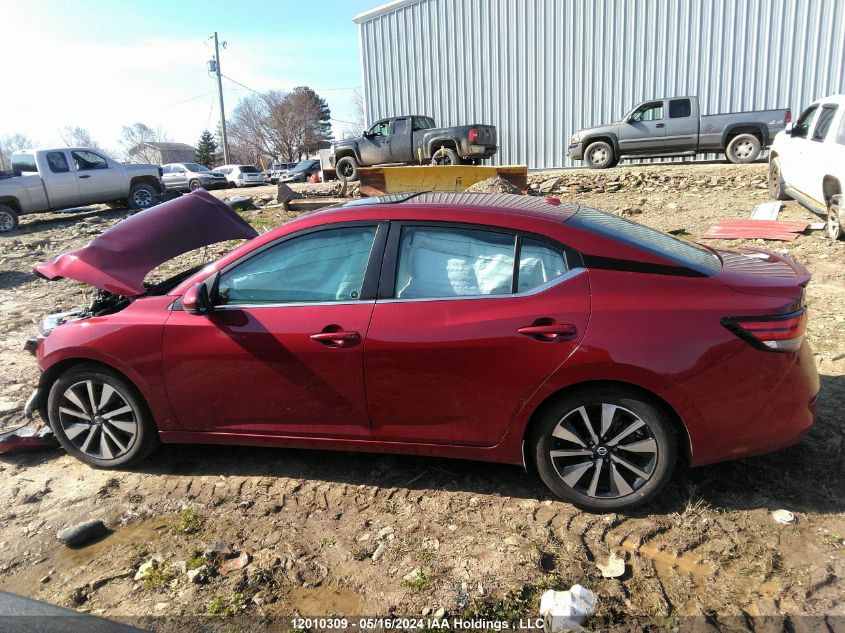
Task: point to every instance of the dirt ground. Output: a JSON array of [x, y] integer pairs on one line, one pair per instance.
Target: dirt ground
[[354, 535]]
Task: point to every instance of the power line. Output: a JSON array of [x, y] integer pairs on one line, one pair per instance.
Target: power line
[[172, 105]]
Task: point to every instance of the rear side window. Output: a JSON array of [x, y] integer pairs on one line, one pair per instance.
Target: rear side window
[[445, 262], [539, 263], [400, 126], [823, 123], [57, 162], [686, 254], [248, 169], [679, 108], [24, 163], [840, 135], [802, 125]]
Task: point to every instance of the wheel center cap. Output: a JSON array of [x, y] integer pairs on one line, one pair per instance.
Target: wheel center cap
[[601, 451], [98, 420]]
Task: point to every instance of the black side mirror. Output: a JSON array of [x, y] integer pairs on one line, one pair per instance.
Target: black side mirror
[[197, 299]]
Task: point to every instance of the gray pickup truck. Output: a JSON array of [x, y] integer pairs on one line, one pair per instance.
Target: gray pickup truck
[[67, 177], [674, 127], [412, 139]]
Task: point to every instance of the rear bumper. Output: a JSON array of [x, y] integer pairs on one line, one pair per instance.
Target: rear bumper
[[481, 151], [576, 151]]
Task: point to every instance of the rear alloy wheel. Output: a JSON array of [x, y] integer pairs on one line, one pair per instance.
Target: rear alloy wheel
[[605, 451], [8, 218], [347, 168], [445, 156], [743, 148], [834, 219], [142, 196], [777, 188], [599, 155], [100, 419]]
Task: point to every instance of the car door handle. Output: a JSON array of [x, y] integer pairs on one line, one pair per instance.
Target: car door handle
[[339, 338], [85, 176], [548, 332], [660, 125]]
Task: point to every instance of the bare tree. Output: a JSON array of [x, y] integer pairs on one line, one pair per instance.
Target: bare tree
[[134, 139], [12, 143], [78, 137], [360, 115]]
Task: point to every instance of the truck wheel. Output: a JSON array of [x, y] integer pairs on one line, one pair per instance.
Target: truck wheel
[[777, 188], [8, 219], [834, 218], [743, 148], [194, 185], [599, 155], [445, 156], [142, 196], [347, 168]]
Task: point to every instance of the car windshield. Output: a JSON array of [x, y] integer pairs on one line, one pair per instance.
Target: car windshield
[[248, 169], [304, 165], [687, 254], [195, 167]]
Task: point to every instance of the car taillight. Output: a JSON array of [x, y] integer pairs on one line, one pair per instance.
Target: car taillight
[[473, 135], [788, 118], [778, 333]]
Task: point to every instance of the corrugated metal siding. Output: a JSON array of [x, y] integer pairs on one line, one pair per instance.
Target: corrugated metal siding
[[541, 69]]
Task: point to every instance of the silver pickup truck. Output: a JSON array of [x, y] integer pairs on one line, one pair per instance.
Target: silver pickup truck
[[67, 177], [674, 127]]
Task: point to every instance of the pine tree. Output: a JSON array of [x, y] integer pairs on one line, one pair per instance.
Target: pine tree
[[206, 149]]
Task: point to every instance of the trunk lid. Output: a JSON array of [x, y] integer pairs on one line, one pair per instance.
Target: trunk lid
[[762, 272], [118, 260]]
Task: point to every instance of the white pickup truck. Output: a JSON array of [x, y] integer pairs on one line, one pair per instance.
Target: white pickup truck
[[67, 177], [807, 162]]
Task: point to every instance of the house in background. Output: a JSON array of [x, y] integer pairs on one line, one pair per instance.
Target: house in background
[[162, 153]]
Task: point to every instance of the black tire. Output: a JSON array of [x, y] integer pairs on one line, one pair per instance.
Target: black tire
[[194, 185], [600, 155], [347, 168], [142, 196], [777, 187], [743, 148], [445, 156], [127, 435], [8, 218], [835, 217], [607, 455]]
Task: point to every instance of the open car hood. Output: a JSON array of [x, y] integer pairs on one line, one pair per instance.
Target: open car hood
[[120, 258]]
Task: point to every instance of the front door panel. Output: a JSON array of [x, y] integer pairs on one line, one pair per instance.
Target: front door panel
[[257, 370], [457, 371]]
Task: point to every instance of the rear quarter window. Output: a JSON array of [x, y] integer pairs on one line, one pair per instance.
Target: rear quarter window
[[692, 256], [24, 164]]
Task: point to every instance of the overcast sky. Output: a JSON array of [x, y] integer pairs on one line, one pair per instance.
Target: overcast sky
[[104, 64]]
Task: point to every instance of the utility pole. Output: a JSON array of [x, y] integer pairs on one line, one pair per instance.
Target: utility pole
[[220, 94]]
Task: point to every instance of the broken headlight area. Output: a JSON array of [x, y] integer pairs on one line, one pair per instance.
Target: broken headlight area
[[104, 303]]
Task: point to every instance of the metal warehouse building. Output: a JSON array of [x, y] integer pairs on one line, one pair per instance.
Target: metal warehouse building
[[541, 69]]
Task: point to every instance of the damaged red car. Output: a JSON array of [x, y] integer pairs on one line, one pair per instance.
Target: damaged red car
[[500, 328]]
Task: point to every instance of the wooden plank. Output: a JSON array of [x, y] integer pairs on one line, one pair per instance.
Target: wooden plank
[[766, 210]]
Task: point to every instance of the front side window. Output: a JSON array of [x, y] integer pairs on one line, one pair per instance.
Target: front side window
[[379, 129], [539, 263], [679, 108], [649, 112], [85, 161], [802, 125], [823, 124], [57, 162], [324, 266], [437, 262]]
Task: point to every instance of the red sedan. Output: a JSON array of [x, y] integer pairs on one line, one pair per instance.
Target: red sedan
[[502, 328]]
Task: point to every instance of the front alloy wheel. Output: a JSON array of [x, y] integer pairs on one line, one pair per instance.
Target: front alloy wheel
[[603, 452], [99, 418]]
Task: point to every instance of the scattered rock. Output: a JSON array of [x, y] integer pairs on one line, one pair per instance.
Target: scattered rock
[[146, 568], [439, 614], [385, 532], [379, 551], [614, 567], [218, 547], [82, 533], [493, 185], [784, 516], [235, 564], [414, 576], [199, 575]]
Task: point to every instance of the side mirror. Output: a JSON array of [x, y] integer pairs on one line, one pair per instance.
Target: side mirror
[[196, 300]]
